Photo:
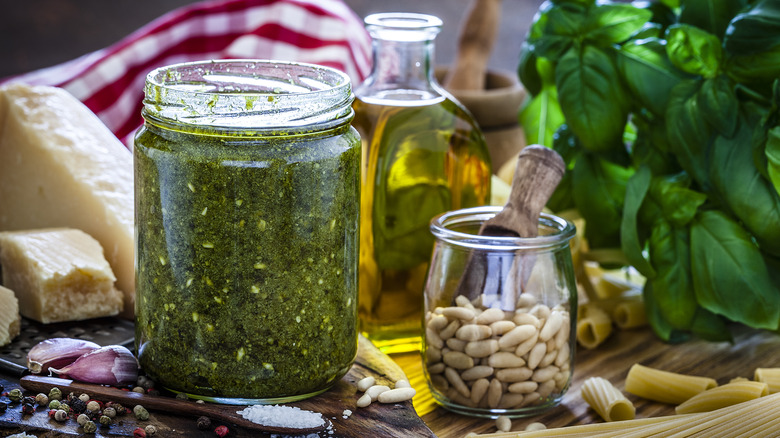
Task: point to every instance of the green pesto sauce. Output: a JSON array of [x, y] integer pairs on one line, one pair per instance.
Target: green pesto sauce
[[247, 256]]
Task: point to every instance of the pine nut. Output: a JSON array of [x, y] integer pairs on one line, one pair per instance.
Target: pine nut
[[517, 335], [552, 326], [562, 337], [403, 383], [526, 318], [523, 387], [483, 348], [365, 383], [530, 399], [546, 388], [527, 345], [440, 382], [477, 372], [526, 300], [473, 332], [544, 374], [549, 358], [501, 327], [503, 359], [563, 355], [489, 316], [511, 375], [454, 378], [510, 400], [433, 354], [503, 423], [535, 426], [433, 339], [536, 355], [479, 389], [363, 401], [458, 360], [450, 330], [463, 301], [540, 311], [462, 313], [495, 391], [438, 322], [456, 344], [375, 390], [436, 368], [397, 395]]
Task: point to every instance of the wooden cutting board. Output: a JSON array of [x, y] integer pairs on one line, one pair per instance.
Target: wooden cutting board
[[378, 420]]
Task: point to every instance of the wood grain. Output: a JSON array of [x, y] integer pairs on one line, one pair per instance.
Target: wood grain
[[378, 420]]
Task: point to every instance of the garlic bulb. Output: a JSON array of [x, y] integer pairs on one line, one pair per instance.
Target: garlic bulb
[[56, 353], [110, 365]]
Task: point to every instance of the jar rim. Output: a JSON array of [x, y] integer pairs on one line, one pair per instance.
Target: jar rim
[[440, 226], [247, 93], [403, 26]]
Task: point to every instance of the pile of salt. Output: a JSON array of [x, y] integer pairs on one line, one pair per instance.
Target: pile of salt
[[282, 416]]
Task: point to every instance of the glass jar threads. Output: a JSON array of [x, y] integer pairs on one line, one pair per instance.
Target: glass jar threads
[[247, 198], [506, 350]]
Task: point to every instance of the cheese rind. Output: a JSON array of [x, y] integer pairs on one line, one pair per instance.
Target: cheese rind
[[10, 321], [58, 275], [61, 167]]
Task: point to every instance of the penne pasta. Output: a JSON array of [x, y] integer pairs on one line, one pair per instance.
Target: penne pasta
[[722, 396], [664, 386], [593, 325], [607, 400], [630, 313], [770, 376]]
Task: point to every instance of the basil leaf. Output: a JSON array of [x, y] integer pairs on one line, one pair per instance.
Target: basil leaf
[[541, 116], [613, 23], [599, 191], [566, 20], [526, 70], [754, 30], [659, 324], [672, 285], [748, 195], [718, 104], [688, 132], [663, 14], [710, 326], [636, 189], [648, 73], [710, 15], [592, 98], [761, 68], [678, 203], [565, 143], [693, 50], [651, 148], [730, 277], [773, 157]]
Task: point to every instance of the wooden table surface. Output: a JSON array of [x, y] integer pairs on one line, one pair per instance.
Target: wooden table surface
[[721, 361]]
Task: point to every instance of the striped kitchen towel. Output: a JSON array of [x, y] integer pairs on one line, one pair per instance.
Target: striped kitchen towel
[[110, 81]]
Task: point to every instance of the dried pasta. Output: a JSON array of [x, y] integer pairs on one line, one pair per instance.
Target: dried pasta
[[722, 396], [629, 313], [758, 417], [593, 325], [664, 386], [770, 376], [607, 400]]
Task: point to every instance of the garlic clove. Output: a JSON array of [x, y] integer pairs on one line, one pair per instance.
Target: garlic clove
[[56, 353], [110, 365]]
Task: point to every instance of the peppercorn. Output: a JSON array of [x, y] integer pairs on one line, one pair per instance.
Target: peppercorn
[[153, 391], [61, 415], [150, 429], [15, 395], [55, 394], [84, 397], [3, 407], [29, 400], [42, 399], [78, 405], [105, 420], [65, 407], [82, 419], [109, 412], [139, 433], [52, 412], [181, 396], [204, 423], [140, 412], [93, 406], [54, 404], [139, 390], [147, 384], [221, 431], [120, 410], [28, 409], [90, 427]]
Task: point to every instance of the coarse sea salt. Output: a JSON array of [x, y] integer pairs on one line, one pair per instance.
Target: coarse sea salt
[[282, 416]]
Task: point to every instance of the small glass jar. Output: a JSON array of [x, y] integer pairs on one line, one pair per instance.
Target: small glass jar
[[247, 177], [507, 349]]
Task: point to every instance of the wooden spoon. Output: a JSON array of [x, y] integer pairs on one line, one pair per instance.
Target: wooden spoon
[[538, 172], [475, 45], [226, 413]]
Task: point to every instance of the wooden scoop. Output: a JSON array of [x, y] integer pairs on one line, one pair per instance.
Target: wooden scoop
[[538, 172], [225, 413]]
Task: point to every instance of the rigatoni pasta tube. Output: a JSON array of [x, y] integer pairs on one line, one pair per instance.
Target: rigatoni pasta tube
[[664, 386], [607, 400], [770, 376], [722, 396], [593, 325], [630, 313]]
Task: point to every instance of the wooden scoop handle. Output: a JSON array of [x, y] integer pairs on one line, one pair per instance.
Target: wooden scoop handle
[[475, 45], [539, 170]]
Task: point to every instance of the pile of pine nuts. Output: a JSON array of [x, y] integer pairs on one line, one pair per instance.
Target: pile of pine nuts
[[482, 357], [372, 392]]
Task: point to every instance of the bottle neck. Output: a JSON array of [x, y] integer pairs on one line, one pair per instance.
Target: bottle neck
[[402, 70]]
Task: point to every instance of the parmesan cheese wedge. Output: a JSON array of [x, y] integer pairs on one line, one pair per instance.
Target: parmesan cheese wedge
[[61, 167], [58, 275], [10, 321]]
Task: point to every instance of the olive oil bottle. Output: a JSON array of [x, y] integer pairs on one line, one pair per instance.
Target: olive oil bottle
[[423, 154]]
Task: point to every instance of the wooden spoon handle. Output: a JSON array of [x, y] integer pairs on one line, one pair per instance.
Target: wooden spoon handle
[[475, 45], [539, 170]]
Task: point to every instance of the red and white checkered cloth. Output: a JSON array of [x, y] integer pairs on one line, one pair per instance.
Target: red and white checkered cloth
[[110, 81]]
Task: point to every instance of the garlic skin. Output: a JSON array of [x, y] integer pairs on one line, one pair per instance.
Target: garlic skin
[[109, 365], [57, 353]]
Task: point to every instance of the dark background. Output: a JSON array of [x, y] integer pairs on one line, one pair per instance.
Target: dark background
[[42, 33]]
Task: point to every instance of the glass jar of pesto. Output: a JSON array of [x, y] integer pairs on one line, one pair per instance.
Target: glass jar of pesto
[[247, 193]]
